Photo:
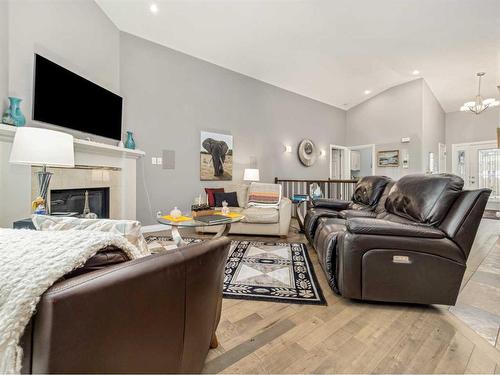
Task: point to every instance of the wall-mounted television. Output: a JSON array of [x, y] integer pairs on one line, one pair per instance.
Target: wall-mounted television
[[61, 97]]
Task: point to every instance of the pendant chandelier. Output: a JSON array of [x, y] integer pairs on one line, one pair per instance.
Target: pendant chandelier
[[479, 105]]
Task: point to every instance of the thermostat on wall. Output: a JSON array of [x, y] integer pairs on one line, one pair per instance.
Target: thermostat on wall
[[405, 140]]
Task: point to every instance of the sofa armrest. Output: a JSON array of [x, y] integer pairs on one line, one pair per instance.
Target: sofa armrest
[[285, 212], [351, 214], [357, 243], [380, 227], [332, 204], [153, 314]]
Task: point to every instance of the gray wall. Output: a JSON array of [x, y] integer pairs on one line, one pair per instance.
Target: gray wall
[[463, 127], [4, 54], [366, 162], [170, 97], [433, 126], [385, 119], [75, 34]]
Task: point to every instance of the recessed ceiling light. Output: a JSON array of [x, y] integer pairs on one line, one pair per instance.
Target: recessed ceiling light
[[153, 8], [368, 92], [416, 72]]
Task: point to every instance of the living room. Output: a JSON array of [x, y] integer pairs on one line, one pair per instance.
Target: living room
[[256, 149]]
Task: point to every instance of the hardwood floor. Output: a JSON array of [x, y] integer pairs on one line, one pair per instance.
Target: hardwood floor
[[478, 303], [346, 337]]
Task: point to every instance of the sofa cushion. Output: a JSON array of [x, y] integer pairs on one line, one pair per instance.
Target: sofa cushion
[[312, 218], [210, 195], [373, 226], [106, 257], [380, 207], [347, 214], [424, 198], [325, 242], [369, 189], [264, 195], [231, 199], [241, 193], [260, 215]]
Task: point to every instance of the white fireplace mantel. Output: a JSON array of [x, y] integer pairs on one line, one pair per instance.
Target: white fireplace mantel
[[16, 184], [7, 133]]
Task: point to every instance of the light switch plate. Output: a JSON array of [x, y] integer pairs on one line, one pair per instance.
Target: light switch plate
[[159, 161], [154, 161]]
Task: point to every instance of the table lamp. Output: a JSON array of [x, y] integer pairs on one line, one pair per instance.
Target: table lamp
[[47, 148], [251, 174]]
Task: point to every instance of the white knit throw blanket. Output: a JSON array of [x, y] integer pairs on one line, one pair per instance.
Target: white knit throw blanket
[[30, 262]]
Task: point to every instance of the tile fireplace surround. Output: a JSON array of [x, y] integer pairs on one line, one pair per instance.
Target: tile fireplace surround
[[97, 164], [85, 177]]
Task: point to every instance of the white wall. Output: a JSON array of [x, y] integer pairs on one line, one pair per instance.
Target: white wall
[[385, 119], [4, 54], [408, 110], [75, 34], [463, 127], [170, 97], [433, 126]]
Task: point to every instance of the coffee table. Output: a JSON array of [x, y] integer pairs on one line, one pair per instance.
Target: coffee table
[[225, 226]]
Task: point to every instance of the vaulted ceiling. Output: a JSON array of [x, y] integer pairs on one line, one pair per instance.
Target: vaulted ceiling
[[332, 50]]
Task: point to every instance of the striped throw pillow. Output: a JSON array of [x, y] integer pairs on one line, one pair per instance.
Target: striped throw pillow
[[264, 195]]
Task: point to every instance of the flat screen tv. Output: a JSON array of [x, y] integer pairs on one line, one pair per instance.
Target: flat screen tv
[[63, 98]]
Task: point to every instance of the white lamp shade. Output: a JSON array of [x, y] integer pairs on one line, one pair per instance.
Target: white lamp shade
[[35, 146], [251, 175]]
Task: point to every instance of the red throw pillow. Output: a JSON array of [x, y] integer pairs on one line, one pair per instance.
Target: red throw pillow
[[210, 192]]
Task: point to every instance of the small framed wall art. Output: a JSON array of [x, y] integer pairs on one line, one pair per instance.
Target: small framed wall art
[[216, 157], [388, 158]]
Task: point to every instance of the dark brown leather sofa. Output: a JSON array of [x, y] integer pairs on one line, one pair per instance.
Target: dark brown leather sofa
[[415, 251], [156, 314], [367, 194]]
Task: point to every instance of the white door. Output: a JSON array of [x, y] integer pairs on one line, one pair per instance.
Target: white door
[[336, 164], [479, 165], [489, 171], [340, 161], [442, 158]]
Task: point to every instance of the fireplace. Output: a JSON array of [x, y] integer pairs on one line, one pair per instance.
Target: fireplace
[[72, 201], [92, 179]]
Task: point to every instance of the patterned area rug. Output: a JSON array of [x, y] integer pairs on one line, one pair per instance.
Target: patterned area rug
[[278, 272]]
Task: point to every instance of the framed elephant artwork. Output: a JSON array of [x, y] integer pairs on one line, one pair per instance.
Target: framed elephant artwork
[[216, 157]]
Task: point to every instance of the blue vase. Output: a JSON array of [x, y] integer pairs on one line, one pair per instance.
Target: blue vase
[[130, 143], [13, 114]]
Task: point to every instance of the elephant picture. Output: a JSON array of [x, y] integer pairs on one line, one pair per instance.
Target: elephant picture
[[216, 157]]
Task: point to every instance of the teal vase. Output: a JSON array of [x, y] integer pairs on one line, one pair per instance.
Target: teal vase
[[13, 114], [130, 143]]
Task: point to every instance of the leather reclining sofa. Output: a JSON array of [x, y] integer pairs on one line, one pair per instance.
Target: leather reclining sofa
[[404, 241], [365, 202], [157, 314]]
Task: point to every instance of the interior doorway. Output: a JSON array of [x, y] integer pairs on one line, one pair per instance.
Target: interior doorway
[[362, 161], [478, 163], [340, 160], [352, 162]]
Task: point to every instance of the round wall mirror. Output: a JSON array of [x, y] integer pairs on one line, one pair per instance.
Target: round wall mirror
[[307, 152]]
